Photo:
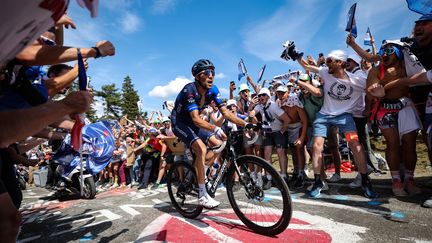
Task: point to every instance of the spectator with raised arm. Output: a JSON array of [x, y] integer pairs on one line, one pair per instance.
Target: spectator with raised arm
[[341, 90]]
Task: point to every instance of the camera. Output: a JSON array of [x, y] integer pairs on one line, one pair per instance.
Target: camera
[[290, 51]]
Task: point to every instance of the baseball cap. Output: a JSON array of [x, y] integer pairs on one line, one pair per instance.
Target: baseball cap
[[304, 77], [338, 55], [277, 82], [153, 130], [265, 91], [425, 18], [282, 88], [231, 102]]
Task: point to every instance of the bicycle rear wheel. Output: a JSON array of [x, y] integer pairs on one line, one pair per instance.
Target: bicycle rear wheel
[[182, 186], [263, 206]]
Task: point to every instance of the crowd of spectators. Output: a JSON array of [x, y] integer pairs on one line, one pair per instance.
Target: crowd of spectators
[[336, 94]]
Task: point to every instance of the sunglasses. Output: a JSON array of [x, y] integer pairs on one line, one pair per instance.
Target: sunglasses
[[387, 51], [261, 95], [244, 91], [329, 60], [209, 72], [230, 106]]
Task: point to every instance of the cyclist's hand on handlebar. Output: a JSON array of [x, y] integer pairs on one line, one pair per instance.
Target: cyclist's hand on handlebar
[[220, 133]]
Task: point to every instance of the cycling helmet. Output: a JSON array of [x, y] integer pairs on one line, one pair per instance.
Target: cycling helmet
[[200, 65]]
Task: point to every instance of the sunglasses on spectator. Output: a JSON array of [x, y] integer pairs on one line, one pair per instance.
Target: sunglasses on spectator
[[261, 95], [387, 51], [209, 72], [329, 60], [244, 91], [230, 106], [47, 41]]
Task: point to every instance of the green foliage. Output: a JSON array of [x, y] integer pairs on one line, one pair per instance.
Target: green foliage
[[113, 101], [130, 99]]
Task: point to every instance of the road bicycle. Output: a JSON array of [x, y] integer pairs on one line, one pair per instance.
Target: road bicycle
[[263, 202]]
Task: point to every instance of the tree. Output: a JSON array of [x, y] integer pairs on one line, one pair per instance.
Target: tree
[[113, 102], [130, 99], [91, 114]]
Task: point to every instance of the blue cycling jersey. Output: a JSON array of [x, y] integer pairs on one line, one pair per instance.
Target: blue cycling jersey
[[189, 99]]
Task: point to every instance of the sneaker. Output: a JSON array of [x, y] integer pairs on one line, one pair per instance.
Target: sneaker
[[236, 186], [208, 202], [367, 190], [142, 187], [267, 183], [398, 189], [356, 183], [293, 178], [316, 189], [335, 178], [155, 186], [259, 181], [134, 183], [428, 203], [114, 186], [299, 183], [411, 187]]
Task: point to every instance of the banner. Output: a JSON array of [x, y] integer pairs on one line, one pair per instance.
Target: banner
[[100, 139]]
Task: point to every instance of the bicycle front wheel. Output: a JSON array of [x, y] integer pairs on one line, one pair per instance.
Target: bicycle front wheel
[[182, 186], [263, 203]]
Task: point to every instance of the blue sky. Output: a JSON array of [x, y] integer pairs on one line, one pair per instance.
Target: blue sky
[[157, 41]]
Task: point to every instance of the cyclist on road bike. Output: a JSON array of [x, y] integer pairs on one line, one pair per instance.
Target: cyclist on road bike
[[192, 129]]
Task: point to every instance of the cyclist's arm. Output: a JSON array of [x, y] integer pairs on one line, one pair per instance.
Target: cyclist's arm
[[199, 122], [231, 117]]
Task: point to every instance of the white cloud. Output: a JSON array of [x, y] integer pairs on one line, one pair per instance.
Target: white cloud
[[169, 90], [130, 22], [163, 6], [220, 75], [265, 39]]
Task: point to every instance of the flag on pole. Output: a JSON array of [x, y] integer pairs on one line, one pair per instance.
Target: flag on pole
[[351, 24], [261, 73], [368, 38], [242, 69], [420, 6], [79, 119]]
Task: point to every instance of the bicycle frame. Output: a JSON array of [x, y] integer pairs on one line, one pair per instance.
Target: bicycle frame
[[230, 156]]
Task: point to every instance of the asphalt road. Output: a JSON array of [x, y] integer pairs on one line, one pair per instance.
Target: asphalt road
[[341, 214]]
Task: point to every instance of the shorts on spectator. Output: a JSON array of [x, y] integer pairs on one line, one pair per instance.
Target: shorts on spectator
[[322, 123], [275, 139]]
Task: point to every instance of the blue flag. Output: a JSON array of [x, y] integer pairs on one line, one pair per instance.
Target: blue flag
[[82, 76], [261, 73], [420, 6], [368, 38], [98, 136], [351, 24], [242, 69]]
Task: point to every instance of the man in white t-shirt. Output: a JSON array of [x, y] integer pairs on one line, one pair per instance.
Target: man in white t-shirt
[[275, 125], [341, 92]]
